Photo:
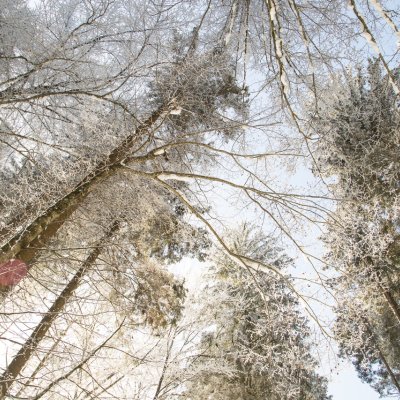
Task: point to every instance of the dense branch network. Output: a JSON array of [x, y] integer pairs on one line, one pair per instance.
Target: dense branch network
[[126, 129]]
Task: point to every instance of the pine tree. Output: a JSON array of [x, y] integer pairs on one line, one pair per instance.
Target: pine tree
[[257, 345], [358, 146]]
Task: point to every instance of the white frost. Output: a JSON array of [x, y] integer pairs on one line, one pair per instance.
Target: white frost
[[227, 38], [168, 176], [285, 83], [394, 86], [159, 152], [279, 52], [176, 111], [272, 13], [389, 21], [371, 42], [229, 34]]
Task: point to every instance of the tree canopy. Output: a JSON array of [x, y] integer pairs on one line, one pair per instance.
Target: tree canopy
[[136, 135]]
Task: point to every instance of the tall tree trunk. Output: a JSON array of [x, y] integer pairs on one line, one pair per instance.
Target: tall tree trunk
[[24, 354], [389, 370], [27, 244], [394, 306]]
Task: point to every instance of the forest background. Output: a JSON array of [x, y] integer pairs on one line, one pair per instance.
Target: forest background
[[138, 138]]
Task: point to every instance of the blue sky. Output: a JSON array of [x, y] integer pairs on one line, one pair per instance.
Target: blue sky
[[345, 385]]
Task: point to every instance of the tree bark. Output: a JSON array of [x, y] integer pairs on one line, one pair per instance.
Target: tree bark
[[389, 370], [26, 245], [394, 306]]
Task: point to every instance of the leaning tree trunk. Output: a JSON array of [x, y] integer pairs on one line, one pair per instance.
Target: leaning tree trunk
[[394, 306], [26, 245], [389, 370], [25, 352]]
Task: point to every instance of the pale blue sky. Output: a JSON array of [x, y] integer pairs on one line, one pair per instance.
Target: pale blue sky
[[345, 385]]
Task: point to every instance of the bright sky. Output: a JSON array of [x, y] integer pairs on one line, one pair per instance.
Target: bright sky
[[345, 385]]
